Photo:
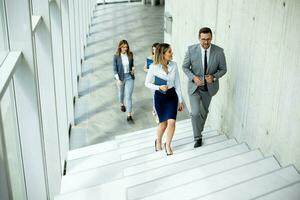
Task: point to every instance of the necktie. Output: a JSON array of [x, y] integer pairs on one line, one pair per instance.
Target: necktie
[[205, 69], [205, 62]]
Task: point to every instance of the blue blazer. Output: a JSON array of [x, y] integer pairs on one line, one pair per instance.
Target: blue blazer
[[118, 66]]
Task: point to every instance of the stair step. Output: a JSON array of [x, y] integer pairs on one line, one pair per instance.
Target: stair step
[[92, 149], [182, 131], [198, 172], [258, 186], [290, 192], [131, 152], [178, 145], [114, 144], [100, 175], [172, 159], [218, 181]]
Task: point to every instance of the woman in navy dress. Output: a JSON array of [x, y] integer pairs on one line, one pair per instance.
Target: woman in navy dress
[[163, 78]]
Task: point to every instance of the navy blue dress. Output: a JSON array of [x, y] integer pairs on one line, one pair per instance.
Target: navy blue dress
[[166, 104]]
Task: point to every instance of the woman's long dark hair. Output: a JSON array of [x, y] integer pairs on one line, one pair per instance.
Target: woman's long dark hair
[[121, 43]]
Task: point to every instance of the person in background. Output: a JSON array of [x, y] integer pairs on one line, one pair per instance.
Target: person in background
[[123, 68], [149, 59], [204, 64], [148, 62], [163, 78]]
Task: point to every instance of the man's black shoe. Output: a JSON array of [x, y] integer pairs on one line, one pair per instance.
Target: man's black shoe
[[198, 143]]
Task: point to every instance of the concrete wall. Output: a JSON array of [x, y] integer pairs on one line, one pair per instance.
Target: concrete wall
[[259, 98]]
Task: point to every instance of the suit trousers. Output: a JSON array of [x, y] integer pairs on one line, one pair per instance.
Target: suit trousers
[[199, 101]]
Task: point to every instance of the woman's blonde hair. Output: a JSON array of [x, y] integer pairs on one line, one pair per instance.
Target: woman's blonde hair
[[121, 43], [160, 50]]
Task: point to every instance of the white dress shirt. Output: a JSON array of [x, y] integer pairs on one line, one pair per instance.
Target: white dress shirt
[[207, 54], [125, 62], [172, 77]]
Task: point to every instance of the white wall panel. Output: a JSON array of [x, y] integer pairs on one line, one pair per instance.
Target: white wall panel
[[257, 100]]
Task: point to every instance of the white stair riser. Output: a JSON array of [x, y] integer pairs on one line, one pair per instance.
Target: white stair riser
[[218, 181], [291, 192], [198, 172], [116, 155], [110, 145], [258, 186], [184, 132], [91, 150], [97, 176], [102, 157], [181, 145], [175, 158]]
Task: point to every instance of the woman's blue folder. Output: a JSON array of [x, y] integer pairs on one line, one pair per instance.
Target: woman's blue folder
[[160, 81]]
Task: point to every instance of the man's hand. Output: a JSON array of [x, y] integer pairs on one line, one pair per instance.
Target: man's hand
[[198, 81], [209, 78]]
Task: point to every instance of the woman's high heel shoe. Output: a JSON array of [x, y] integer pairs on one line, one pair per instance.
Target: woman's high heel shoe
[[168, 153], [155, 146]]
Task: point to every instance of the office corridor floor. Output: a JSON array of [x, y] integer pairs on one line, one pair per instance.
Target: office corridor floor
[[97, 114]]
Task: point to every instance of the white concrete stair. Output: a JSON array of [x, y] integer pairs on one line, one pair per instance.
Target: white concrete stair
[[292, 192], [117, 170], [126, 152], [219, 181], [128, 168], [114, 144], [258, 186], [196, 172]]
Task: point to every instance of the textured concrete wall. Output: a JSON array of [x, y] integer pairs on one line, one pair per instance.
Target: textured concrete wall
[[259, 97]]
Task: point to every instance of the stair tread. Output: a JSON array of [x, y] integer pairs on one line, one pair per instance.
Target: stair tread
[[162, 161], [92, 149], [96, 176], [195, 173], [221, 169], [179, 144], [113, 144], [290, 192], [101, 159], [218, 181], [258, 186]]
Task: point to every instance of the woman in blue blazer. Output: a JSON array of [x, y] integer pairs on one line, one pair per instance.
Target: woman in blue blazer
[[124, 74]]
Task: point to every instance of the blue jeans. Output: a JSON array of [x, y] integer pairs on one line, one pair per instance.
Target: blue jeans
[[125, 91]]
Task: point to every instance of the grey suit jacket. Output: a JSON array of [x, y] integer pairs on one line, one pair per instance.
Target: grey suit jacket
[[118, 66], [192, 66]]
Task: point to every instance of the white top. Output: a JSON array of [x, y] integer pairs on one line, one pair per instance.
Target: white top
[[125, 63], [203, 53], [172, 77]]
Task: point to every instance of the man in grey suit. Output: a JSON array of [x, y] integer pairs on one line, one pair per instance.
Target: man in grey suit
[[203, 64]]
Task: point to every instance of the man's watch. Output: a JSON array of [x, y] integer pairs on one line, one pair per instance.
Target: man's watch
[[214, 79]]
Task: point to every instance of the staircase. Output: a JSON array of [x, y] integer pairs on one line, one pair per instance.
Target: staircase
[[128, 168]]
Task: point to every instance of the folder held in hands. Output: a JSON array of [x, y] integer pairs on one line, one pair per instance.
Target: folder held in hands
[[160, 81]]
